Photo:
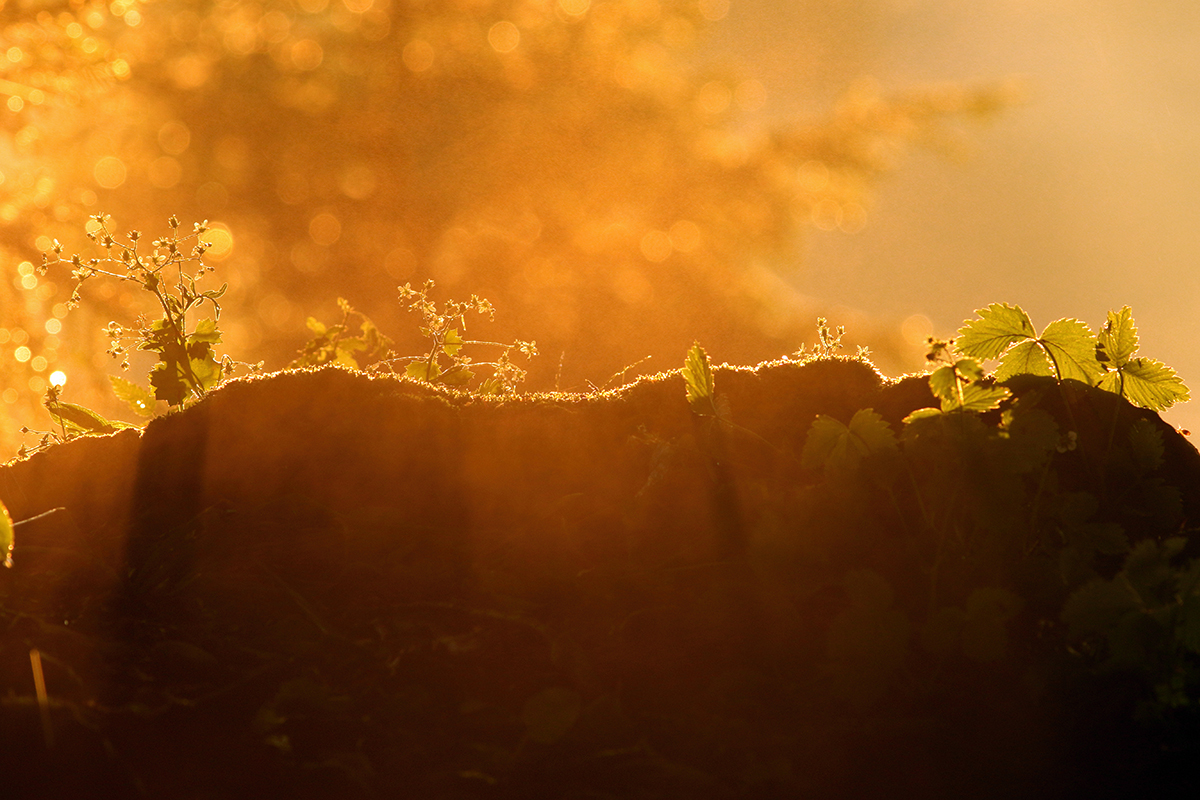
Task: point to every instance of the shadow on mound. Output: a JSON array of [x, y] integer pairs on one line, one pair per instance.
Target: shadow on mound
[[319, 583]]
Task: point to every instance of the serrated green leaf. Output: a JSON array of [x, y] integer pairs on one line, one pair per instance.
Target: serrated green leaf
[[139, 400], [167, 383], [316, 326], [1072, 346], [7, 539], [1147, 383], [869, 428], [452, 342], [922, 414], [943, 382], [998, 327], [947, 382], [206, 331], [206, 371], [979, 398], [77, 419], [836, 447], [697, 376], [1118, 340], [423, 371], [456, 376], [1027, 358]]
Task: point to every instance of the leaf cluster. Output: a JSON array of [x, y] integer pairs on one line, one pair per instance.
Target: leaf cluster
[[992, 482], [336, 344], [1067, 349]]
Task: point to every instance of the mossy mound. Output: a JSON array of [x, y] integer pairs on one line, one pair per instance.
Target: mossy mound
[[318, 584]]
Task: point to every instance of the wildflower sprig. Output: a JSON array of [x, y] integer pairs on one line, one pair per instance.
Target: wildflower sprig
[[444, 363], [187, 367]]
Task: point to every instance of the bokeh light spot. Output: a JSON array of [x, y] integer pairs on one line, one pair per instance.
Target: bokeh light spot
[[39, 363], [916, 329], [222, 242], [504, 37], [574, 8], [58, 378], [418, 55], [307, 54], [109, 172], [53, 326], [325, 229], [714, 10], [22, 354]]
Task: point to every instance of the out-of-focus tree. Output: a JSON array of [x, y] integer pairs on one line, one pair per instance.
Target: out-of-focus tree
[[560, 157]]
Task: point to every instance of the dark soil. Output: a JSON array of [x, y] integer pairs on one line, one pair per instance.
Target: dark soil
[[320, 584]]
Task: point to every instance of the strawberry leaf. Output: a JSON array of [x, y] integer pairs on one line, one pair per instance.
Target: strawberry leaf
[[1118, 341], [1072, 346], [836, 447], [999, 326]]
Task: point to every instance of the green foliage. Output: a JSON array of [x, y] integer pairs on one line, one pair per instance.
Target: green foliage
[[836, 447], [1142, 381], [1146, 618], [6, 535], [993, 478], [958, 384], [186, 366], [1068, 350], [335, 344], [140, 401], [697, 376]]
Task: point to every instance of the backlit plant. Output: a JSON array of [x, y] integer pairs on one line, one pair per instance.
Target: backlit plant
[[169, 269], [445, 363]]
